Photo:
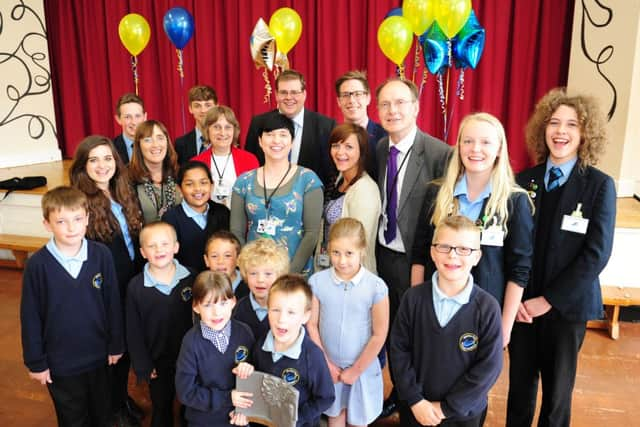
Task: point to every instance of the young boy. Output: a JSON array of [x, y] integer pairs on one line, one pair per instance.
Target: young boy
[[158, 316], [221, 254], [261, 262], [70, 313], [201, 99], [288, 352], [129, 114], [446, 340]]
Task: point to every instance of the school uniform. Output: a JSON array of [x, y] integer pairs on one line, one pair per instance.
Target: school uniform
[[239, 286], [566, 265], [193, 230], [204, 380], [248, 311], [446, 351], [302, 365], [158, 316], [58, 299]]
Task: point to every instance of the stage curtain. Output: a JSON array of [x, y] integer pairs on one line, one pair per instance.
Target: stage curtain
[[526, 54]]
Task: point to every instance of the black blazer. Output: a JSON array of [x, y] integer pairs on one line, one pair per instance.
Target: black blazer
[[186, 147], [314, 145], [574, 261], [498, 264], [121, 146]]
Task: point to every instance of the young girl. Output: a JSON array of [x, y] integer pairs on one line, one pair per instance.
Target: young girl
[[196, 217], [212, 352], [115, 220], [480, 185], [575, 219], [349, 321]]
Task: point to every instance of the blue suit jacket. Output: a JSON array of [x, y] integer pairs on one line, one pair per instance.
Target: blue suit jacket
[[121, 146]]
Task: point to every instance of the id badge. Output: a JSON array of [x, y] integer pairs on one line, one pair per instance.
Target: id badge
[[574, 224], [222, 191], [260, 227], [323, 261], [492, 236], [269, 227]]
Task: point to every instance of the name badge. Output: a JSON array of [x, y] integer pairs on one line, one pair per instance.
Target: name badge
[[575, 222], [222, 191], [323, 261], [266, 226], [492, 236]]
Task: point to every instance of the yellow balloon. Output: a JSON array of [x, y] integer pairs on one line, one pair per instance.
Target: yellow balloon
[[452, 15], [286, 27], [395, 37], [419, 13], [134, 33]]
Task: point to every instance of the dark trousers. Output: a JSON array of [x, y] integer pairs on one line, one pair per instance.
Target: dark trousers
[[546, 349], [81, 400], [407, 419], [163, 391], [119, 378]]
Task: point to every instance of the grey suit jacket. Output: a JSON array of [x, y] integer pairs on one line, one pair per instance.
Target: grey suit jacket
[[427, 161]]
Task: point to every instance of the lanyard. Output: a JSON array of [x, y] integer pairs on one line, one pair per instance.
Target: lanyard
[[395, 178], [215, 165], [267, 201]]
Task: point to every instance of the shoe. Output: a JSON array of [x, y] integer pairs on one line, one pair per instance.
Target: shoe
[[133, 410], [389, 407]]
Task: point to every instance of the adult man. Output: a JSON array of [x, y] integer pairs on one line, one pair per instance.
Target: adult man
[[129, 114], [201, 99], [354, 96], [312, 129]]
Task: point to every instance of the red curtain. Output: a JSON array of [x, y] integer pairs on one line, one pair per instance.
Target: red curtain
[[526, 54]]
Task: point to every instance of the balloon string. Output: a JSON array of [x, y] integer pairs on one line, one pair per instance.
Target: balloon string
[[401, 71], [180, 63], [134, 68], [423, 82], [416, 60], [446, 104], [267, 87], [460, 88]]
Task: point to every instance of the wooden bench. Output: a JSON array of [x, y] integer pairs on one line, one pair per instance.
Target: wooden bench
[[614, 297], [20, 246]]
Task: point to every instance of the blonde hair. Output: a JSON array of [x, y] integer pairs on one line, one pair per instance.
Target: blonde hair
[[154, 226], [348, 227], [458, 223], [503, 182], [263, 252]]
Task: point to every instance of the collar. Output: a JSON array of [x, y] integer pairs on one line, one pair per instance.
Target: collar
[[198, 135], [462, 189], [209, 333], [405, 143], [128, 142], [237, 280], [188, 210], [298, 119], [461, 297], [293, 352], [80, 256], [254, 304], [150, 282], [565, 167], [348, 284]]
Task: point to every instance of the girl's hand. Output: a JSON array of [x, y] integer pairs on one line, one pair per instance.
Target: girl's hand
[[43, 377], [154, 374], [240, 399], [112, 359], [523, 315], [334, 371], [243, 370], [537, 306], [349, 375], [238, 419]]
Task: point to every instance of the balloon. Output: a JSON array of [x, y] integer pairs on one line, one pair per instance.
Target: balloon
[[262, 46], [469, 43], [178, 24], [436, 51], [396, 11], [419, 13], [134, 33], [395, 38], [452, 15], [286, 26]]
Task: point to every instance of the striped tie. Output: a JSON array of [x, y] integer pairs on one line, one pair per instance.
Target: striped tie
[[554, 178]]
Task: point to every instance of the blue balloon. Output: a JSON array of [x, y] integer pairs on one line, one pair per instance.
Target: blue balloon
[[436, 51], [396, 11], [178, 24], [468, 44]]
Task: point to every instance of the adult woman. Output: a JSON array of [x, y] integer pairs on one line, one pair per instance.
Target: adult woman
[[355, 194], [223, 157], [279, 200], [153, 169], [480, 185], [115, 220]]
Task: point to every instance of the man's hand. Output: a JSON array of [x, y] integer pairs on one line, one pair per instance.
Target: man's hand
[[43, 377]]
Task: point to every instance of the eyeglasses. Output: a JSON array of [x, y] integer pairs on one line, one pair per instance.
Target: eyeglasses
[[357, 94], [285, 93], [218, 128], [460, 250], [398, 103]]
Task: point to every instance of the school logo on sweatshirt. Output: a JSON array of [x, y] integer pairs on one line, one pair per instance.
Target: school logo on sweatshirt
[[291, 376], [241, 354], [186, 294], [468, 342], [97, 281]]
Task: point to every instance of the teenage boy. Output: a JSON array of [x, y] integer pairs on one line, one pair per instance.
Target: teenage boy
[[446, 341], [158, 316], [70, 313], [201, 99], [129, 114]]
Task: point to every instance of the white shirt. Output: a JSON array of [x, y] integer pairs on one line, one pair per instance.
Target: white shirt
[[298, 125], [228, 177]]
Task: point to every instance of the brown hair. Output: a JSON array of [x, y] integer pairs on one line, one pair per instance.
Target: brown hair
[[263, 252], [341, 132], [63, 197], [288, 75], [358, 75], [103, 224], [211, 282], [593, 135], [457, 223], [408, 83], [225, 235], [348, 227], [137, 169], [150, 227], [128, 98], [222, 111], [202, 93], [291, 283]]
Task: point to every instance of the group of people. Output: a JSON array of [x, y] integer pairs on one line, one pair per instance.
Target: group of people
[[318, 254]]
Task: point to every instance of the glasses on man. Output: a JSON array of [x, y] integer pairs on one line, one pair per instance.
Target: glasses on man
[[285, 93], [357, 94], [443, 248], [398, 103]]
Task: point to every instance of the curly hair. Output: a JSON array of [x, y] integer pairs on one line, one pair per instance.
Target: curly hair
[[593, 136], [138, 170], [103, 224]]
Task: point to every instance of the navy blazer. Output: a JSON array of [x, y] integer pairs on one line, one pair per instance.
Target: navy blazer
[[314, 145], [574, 261], [186, 147], [498, 264], [121, 146]]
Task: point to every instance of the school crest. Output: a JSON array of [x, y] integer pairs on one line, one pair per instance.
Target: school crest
[[291, 376], [97, 281], [468, 342], [241, 354], [186, 294]]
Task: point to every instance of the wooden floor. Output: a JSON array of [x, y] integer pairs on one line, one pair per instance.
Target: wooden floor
[[606, 394]]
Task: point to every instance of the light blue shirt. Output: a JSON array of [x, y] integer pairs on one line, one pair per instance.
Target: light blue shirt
[[292, 352], [468, 208], [129, 145], [565, 167], [73, 264], [150, 281], [347, 284], [116, 209], [261, 312], [445, 306], [237, 280], [198, 140], [199, 218]]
